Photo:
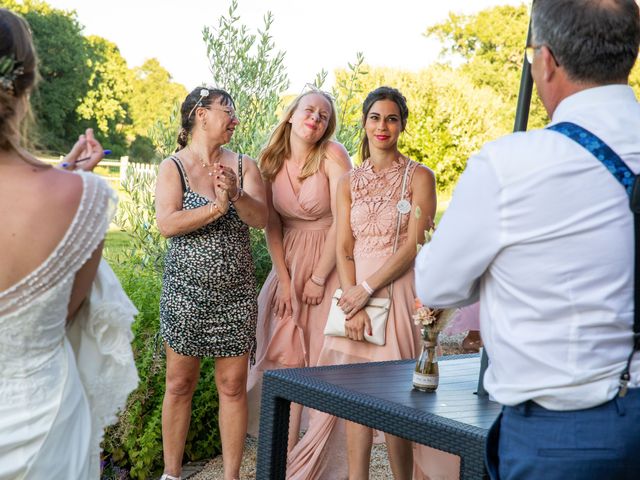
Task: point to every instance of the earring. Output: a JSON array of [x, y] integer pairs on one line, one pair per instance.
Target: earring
[[204, 124]]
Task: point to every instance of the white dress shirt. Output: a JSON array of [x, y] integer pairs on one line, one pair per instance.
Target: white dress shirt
[[542, 234]]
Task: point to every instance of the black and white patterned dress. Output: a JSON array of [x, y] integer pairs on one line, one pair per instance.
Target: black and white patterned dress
[[208, 306]]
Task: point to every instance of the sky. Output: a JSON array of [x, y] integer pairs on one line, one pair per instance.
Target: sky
[[325, 34]]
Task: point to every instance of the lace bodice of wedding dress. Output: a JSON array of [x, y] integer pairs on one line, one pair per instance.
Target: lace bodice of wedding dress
[[33, 311], [48, 425]]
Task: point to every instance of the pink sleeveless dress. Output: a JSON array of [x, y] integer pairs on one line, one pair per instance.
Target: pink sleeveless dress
[[294, 341], [321, 453]]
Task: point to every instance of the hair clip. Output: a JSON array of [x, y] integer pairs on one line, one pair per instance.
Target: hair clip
[[203, 94], [9, 71]]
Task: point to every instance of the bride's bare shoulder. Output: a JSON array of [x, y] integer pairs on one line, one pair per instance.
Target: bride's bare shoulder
[[64, 188]]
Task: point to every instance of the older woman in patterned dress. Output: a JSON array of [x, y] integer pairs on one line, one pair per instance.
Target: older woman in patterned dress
[[207, 197]]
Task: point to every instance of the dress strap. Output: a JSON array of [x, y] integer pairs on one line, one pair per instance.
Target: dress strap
[[89, 225], [183, 174], [240, 169]]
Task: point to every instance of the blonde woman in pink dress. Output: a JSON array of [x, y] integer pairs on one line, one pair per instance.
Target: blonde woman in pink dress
[[368, 208], [301, 166]]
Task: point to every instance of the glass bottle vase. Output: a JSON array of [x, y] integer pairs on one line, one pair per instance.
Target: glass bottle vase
[[426, 375]]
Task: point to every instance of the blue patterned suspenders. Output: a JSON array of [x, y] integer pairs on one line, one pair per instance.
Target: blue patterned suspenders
[[631, 183]]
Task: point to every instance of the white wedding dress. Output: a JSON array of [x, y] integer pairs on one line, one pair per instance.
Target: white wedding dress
[[59, 386]]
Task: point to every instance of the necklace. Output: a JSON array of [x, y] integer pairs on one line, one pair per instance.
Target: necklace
[[201, 160], [207, 166]]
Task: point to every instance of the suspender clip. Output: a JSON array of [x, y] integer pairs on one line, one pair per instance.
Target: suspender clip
[[624, 382]]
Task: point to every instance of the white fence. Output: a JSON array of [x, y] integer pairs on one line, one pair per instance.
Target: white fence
[[123, 165]]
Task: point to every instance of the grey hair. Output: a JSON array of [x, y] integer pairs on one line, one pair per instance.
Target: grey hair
[[596, 41]]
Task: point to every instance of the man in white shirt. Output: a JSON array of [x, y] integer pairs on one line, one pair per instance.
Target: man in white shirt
[[541, 232]]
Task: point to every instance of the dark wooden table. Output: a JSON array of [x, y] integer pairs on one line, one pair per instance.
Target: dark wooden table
[[453, 419]]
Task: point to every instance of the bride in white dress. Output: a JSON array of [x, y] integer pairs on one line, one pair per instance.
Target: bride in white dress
[[65, 357]]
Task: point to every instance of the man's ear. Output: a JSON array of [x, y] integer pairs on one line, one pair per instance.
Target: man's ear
[[549, 64]]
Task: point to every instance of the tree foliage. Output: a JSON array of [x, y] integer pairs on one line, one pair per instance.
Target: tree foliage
[[85, 82], [490, 56], [348, 94], [154, 95], [440, 133], [252, 71], [64, 76], [634, 79], [105, 107]]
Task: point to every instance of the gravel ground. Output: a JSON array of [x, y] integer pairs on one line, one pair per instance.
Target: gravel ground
[[379, 465]]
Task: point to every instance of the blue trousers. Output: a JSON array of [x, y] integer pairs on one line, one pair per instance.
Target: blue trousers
[[530, 442]]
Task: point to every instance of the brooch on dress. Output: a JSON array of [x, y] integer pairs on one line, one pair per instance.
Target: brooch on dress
[[403, 206]]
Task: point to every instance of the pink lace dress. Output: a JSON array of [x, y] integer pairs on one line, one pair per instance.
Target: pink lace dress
[[321, 453], [294, 341]]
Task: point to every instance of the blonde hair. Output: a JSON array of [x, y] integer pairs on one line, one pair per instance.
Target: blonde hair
[[278, 147]]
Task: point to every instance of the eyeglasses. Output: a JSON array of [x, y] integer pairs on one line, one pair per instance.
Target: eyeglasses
[[530, 52], [232, 115]]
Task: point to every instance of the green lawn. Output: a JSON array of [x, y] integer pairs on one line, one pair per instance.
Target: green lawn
[[116, 243]]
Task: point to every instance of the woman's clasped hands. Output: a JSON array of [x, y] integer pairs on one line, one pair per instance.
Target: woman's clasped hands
[[357, 321], [226, 180]]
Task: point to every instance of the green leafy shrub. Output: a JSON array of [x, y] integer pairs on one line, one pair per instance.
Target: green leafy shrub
[[135, 442], [137, 216], [348, 93], [252, 71], [261, 257]]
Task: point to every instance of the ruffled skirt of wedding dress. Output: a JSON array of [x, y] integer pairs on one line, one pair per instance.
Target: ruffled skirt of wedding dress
[[46, 433], [52, 417]]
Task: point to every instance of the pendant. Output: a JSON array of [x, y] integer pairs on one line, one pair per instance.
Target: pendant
[[210, 174], [403, 206]]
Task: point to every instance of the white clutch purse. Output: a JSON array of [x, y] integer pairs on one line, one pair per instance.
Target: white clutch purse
[[376, 308]]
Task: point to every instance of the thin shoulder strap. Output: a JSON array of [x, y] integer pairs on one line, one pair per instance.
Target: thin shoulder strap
[[631, 183], [240, 169], [183, 175], [401, 211], [402, 200]]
